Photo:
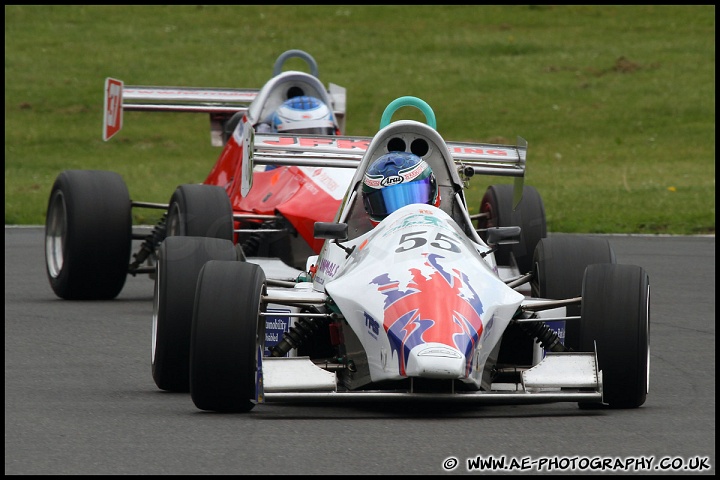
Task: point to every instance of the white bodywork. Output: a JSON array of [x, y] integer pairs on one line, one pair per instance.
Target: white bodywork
[[423, 303]]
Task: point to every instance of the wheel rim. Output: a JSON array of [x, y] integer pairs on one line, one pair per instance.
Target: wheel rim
[[489, 220], [156, 305], [260, 347], [647, 330], [174, 223], [55, 234]]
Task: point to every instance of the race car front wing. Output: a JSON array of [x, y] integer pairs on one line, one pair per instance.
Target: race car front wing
[[559, 377]]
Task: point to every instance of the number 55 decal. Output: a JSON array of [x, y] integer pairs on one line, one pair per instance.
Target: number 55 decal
[[417, 239]]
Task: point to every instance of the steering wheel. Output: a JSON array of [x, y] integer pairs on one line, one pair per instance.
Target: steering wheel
[[277, 68], [408, 102]]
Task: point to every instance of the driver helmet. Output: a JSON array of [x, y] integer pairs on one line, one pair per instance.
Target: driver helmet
[[397, 179], [303, 115]]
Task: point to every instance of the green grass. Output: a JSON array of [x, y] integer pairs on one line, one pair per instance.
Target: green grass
[[617, 102]]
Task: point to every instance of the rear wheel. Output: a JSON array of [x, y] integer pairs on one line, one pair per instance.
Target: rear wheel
[[88, 235], [200, 211], [179, 262], [497, 204], [228, 336], [559, 266], [616, 318]]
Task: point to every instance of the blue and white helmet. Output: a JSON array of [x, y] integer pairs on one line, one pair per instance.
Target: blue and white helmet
[[397, 179], [303, 115]]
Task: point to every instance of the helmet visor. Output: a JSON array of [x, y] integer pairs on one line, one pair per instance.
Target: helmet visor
[[384, 201]]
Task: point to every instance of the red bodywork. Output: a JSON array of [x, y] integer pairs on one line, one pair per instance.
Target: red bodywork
[[302, 195]]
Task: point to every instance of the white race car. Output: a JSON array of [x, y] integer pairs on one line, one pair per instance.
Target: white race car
[[413, 306]]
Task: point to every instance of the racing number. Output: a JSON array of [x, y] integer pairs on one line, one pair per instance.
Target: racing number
[[112, 121], [418, 240]]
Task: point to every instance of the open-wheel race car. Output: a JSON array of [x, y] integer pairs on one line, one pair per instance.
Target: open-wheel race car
[[406, 299], [89, 226]]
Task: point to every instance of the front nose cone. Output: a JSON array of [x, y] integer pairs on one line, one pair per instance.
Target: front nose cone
[[436, 361]]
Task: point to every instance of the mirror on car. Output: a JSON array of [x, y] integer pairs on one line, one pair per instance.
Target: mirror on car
[[331, 230]]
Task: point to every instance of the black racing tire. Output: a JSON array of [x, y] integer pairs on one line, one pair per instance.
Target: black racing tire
[[228, 337], [88, 235], [229, 126], [497, 204], [530, 216], [197, 210], [559, 264], [180, 260], [616, 318]]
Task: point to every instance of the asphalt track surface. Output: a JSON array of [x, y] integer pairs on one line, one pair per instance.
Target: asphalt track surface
[[80, 398]]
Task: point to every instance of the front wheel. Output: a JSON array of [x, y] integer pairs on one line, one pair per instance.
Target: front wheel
[[228, 335], [179, 262], [88, 235], [616, 321]]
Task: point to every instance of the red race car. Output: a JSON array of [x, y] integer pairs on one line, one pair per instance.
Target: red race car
[[89, 229]]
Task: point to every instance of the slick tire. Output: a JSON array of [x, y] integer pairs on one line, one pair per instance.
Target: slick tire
[[180, 260], [616, 318], [88, 235], [228, 336]]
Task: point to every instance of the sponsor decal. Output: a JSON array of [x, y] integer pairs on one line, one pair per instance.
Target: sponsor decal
[[391, 180], [327, 181], [372, 325], [415, 171], [275, 328], [417, 219], [373, 182], [328, 268], [213, 94], [479, 151], [378, 181], [310, 187], [339, 143]]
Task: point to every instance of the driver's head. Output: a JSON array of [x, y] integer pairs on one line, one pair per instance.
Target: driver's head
[[397, 179], [303, 115]]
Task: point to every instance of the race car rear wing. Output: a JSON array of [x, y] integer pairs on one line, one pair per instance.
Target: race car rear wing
[[219, 103], [346, 152]]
